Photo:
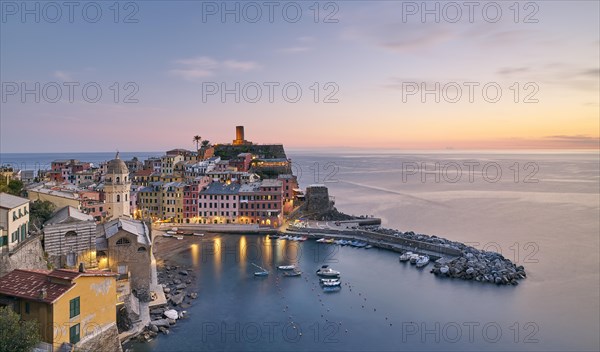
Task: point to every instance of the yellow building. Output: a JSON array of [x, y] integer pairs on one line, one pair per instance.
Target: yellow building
[[71, 307], [60, 198]]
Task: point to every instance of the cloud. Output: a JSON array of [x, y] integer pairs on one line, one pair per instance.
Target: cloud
[[304, 45], [63, 76], [576, 140], [507, 71], [195, 68], [295, 49]]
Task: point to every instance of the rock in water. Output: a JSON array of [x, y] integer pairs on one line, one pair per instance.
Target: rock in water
[[171, 314]]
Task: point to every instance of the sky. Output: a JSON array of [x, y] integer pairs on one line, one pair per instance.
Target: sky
[[149, 75]]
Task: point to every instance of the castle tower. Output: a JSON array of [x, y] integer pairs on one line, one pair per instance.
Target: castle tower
[[116, 189]]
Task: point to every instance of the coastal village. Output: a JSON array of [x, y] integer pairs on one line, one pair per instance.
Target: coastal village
[[93, 252], [77, 241]]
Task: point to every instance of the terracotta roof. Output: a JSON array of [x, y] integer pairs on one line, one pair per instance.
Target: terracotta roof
[[146, 172], [29, 284]]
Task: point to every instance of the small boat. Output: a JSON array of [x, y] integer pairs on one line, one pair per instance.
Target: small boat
[[368, 246], [332, 288], [404, 257], [330, 240], [274, 237], [174, 229], [303, 238], [444, 269], [422, 261], [326, 271], [343, 242], [171, 233], [294, 273], [287, 267], [328, 280], [413, 258], [321, 240], [167, 235], [331, 283], [198, 234], [179, 237], [261, 273]]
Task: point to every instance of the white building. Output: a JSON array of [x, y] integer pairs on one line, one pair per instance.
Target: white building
[[14, 221]]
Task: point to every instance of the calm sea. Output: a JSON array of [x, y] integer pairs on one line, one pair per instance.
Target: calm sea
[[541, 210]]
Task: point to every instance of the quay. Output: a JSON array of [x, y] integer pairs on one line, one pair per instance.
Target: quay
[[350, 230]]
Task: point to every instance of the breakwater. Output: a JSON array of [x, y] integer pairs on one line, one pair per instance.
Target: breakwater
[[452, 259]]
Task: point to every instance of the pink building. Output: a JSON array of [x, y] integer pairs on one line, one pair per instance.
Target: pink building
[[262, 203], [218, 203]]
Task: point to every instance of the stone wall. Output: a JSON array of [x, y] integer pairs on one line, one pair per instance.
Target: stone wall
[[106, 339], [29, 255]]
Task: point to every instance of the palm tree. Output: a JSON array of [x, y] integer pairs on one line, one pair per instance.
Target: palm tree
[[197, 139], [205, 143]]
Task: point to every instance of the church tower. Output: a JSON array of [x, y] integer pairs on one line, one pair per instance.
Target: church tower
[[116, 189]]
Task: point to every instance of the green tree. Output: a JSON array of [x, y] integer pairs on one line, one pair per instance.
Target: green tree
[[205, 143], [14, 187], [40, 211], [15, 335]]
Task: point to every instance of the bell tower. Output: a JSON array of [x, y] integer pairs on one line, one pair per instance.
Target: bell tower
[[117, 186]]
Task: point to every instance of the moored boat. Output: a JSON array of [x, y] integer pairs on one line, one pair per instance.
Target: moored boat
[[261, 273], [167, 235], [404, 257], [287, 267], [422, 261], [179, 237], [198, 234], [326, 271], [293, 273], [332, 288], [413, 258]]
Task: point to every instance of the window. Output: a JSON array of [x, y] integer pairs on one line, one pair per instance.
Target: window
[[74, 334], [27, 308], [118, 197], [123, 242], [141, 249], [74, 308], [71, 234]]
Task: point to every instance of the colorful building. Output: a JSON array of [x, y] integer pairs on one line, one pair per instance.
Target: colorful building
[[218, 203], [71, 307], [262, 203], [14, 221]]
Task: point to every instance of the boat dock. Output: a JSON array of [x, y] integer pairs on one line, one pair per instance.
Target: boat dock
[[397, 244]]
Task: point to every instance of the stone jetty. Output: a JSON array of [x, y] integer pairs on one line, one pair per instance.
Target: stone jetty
[[472, 264]]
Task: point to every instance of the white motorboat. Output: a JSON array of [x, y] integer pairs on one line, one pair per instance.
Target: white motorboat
[[444, 269], [326, 271], [287, 267], [198, 234], [413, 258], [422, 261], [179, 237], [167, 235], [331, 283], [404, 257], [172, 233]]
